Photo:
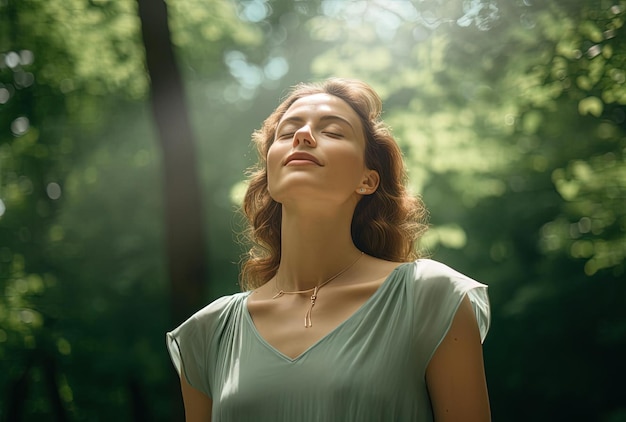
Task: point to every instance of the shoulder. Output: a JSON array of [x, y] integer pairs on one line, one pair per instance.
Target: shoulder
[[438, 291], [218, 310], [197, 334], [430, 271], [432, 277], [211, 317], [192, 343]]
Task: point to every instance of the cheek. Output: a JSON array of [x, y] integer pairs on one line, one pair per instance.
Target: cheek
[[272, 158], [351, 160], [273, 164]]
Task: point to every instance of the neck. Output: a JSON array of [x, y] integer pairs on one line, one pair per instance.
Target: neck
[[315, 247]]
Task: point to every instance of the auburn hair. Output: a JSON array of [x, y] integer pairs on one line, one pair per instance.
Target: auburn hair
[[385, 224]]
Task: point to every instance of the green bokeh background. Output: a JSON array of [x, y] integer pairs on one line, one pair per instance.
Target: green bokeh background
[[511, 115]]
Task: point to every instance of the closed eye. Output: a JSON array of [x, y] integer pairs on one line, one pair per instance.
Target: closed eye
[[333, 134]]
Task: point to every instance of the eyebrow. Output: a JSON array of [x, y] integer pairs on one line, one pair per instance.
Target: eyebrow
[[298, 119]]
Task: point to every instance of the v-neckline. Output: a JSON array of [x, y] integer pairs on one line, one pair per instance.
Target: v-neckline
[[360, 309]]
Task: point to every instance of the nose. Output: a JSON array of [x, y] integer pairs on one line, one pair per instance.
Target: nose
[[305, 136]]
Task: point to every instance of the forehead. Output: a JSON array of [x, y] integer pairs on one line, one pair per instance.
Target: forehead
[[322, 105]]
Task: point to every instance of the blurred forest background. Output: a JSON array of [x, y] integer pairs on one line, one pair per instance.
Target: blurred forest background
[[124, 138]]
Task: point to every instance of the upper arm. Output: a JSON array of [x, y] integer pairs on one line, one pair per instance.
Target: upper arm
[[198, 405], [455, 375]]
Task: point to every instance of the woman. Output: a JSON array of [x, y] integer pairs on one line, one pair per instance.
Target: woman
[[338, 321]]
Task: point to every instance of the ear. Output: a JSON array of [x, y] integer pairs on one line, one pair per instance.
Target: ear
[[369, 184]]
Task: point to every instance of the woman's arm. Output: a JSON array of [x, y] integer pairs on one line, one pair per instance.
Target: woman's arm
[[456, 376], [197, 404]]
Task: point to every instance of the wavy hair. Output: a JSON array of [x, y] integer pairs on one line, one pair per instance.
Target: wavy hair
[[385, 224]]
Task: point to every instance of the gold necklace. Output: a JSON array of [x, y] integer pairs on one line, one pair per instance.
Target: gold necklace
[[307, 317]]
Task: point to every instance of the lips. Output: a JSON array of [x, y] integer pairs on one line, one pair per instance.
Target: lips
[[302, 157]]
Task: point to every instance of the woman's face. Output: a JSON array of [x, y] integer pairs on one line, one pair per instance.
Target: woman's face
[[318, 152]]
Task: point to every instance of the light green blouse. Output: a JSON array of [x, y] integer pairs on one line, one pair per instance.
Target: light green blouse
[[370, 368]]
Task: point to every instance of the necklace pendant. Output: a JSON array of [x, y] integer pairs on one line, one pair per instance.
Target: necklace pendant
[[314, 296], [308, 323]]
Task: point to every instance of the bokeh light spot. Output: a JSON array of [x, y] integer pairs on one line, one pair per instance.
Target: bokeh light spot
[[593, 51], [276, 68], [27, 316], [24, 79], [20, 126], [64, 346], [53, 190], [618, 75], [12, 59], [26, 57], [528, 21], [584, 225], [254, 11], [4, 95], [590, 105]]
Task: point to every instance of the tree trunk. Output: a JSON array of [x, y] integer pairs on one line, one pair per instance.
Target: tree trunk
[[183, 205], [49, 367], [17, 394]]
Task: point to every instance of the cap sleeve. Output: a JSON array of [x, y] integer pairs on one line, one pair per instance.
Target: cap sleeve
[[190, 345], [438, 291]]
